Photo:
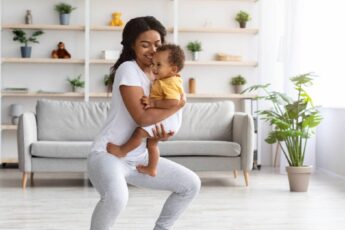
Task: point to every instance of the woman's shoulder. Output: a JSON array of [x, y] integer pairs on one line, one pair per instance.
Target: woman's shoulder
[[127, 65]]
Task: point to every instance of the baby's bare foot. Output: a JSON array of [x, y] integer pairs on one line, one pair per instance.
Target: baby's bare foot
[[115, 150], [147, 170]]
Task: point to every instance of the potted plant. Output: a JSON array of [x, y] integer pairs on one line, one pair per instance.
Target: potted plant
[[238, 82], [77, 84], [20, 36], [294, 121], [108, 82], [195, 48], [64, 11], [242, 17]]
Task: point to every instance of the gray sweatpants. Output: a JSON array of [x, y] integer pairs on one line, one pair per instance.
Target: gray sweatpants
[[110, 175]]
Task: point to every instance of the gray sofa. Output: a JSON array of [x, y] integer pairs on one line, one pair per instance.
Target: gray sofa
[[58, 137]]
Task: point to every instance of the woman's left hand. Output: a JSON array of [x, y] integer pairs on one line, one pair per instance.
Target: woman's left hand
[[159, 133]]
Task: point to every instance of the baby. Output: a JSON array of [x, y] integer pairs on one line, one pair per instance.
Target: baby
[[165, 92]]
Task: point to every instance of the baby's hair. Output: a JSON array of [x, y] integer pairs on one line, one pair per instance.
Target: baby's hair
[[176, 55]]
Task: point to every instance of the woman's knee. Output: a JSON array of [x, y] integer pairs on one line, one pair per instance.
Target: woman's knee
[[115, 201], [192, 184]]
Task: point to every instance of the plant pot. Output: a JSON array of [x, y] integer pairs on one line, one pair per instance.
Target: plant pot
[[25, 51], [299, 178], [195, 56], [238, 88], [243, 25], [64, 19], [78, 89]]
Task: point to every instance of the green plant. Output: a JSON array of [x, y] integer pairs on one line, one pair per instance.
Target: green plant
[[20, 36], [107, 80], [294, 121], [194, 46], [76, 82], [238, 80], [242, 16], [64, 8]]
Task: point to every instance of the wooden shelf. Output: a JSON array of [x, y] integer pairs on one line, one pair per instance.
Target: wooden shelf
[[8, 127], [102, 61], [42, 60], [43, 27], [8, 160], [219, 30], [106, 28], [32, 94], [224, 63], [197, 96]]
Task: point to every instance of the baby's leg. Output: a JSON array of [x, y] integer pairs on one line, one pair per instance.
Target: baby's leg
[[133, 142], [151, 168]]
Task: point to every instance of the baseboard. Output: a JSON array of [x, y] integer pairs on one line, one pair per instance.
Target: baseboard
[[331, 173]]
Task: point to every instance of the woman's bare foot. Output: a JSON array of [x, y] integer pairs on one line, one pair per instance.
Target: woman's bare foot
[[147, 170], [115, 150]]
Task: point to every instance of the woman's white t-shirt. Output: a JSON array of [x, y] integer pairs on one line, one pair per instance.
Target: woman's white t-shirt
[[119, 125]]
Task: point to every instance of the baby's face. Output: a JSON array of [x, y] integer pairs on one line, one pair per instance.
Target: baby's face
[[161, 67]]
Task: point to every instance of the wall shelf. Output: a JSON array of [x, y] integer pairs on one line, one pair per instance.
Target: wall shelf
[[8, 127], [43, 27], [222, 63], [42, 60], [33, 94], [219, 30]]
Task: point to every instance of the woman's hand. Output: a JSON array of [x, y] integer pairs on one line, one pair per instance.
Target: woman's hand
[[159, 134], [182, 101]]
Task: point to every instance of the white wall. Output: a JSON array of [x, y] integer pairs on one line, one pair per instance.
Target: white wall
[[52, 77], [330, 141]]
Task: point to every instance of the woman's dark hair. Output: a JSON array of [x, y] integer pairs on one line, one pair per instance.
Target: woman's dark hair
[[131, 32]]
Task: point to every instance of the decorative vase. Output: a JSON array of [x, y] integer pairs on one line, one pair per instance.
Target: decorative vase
[[195, 55], [64, 19], [25, 51], [238, 88], [15, 111], [243, 25], [299, 178], [191, 85]]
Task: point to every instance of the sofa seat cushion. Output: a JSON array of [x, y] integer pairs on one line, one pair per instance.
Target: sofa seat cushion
[[199, 148], [61, 149]]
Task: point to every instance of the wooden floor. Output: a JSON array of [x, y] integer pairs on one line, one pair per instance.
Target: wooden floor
[[65, 201]]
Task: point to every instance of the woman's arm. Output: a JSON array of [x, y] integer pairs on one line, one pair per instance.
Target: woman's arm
[[131, 96]]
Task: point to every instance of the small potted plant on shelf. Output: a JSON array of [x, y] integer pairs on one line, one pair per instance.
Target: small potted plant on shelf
[[242, 18], [238, 83], [195, 48], [108, 82], [20, 36], [294, 121], [64, 11], [77, 84]]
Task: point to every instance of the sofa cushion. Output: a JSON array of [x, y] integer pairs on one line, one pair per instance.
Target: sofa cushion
[[69, 120], [206, 121], [199, 148], [61, 149]]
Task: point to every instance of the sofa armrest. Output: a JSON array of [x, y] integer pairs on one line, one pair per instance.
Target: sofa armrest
[[243, 134], [26, 135]]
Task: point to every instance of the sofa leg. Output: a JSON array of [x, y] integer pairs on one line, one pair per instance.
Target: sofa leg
[[32, 179], [235, 173], [24, 179], [246, 177]]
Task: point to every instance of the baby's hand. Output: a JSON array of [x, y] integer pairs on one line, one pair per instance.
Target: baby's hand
[[146, 102]]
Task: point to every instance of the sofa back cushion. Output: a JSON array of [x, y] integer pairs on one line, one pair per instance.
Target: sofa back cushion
[[81, 121], [206, 121], [69, 120]]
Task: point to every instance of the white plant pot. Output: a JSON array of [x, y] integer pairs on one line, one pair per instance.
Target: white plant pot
[[299, 177]]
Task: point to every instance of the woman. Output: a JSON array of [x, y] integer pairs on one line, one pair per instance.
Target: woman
[[110, 174]]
